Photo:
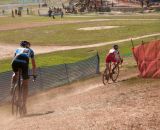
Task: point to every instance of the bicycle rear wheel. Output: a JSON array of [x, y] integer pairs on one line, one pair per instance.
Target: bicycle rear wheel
[[20, 96], [115, 72], [20, 101], [15, 100], [105, 76]]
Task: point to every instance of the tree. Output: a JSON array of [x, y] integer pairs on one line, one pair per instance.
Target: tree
[[83, 4]]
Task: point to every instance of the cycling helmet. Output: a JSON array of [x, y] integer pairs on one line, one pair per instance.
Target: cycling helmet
[[24, 43], [115, 46]]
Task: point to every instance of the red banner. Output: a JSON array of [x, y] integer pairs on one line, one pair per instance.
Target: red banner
[[147, 57]]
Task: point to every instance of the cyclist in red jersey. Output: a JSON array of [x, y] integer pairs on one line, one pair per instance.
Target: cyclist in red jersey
[[113, 56]]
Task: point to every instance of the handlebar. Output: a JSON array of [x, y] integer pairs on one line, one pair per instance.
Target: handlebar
[[34, 77]]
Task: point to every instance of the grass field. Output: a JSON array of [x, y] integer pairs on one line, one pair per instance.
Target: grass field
[[29, 19], [67, 34], [71, 56]]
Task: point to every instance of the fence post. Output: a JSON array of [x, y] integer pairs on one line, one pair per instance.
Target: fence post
[[132, 43], [97, 69]]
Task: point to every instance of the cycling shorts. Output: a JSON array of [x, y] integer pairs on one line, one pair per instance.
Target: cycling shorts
[[23, 65], [111, 58]]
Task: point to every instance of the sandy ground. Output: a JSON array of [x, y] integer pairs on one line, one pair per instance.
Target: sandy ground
[[129, 104], [97, 20], [98, 28], [34, 24], [8, 50]]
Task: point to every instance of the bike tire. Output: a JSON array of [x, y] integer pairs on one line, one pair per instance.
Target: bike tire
[[20, 106], [105, 76], [115, 75], [15, 100], [20, 98]]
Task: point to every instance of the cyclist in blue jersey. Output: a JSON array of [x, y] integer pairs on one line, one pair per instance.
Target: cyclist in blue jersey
[[21, 60]]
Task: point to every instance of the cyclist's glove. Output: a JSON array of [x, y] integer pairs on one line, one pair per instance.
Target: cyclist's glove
[[34, 77], [121, 60]]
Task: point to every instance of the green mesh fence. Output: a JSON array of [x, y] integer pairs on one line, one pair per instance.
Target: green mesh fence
[[53, 76]]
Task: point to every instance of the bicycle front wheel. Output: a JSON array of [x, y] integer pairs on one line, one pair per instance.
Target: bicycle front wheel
[[15, 100], [115, 72], [20, 101]]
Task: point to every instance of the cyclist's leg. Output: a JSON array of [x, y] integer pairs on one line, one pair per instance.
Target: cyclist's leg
[[116, 63], [108, 66], [14, 78], [25, 85], [115, 66], [108, 61], [106, 71], [25, 94]]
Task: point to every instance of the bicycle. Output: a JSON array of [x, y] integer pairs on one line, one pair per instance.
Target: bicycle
[[110, 72], [17, 97]]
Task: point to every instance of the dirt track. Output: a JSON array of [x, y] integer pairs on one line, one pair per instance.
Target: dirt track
[[34, 24], [133, 104]]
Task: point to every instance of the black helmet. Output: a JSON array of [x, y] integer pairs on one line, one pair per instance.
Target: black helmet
[[115, 46], [24, 43]]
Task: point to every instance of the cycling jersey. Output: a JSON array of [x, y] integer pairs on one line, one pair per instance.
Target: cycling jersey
[[21, 60], [26, 51], [113, 56], [23, 54]]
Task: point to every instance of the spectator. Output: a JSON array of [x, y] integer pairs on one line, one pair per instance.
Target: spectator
[[13, 14], [39, 12], [19, 13], [53, 15], [62, 13], [49, 12], [27, 11], [142, 3], [112, 4], [3, 11], [16, 12], [147, 3]]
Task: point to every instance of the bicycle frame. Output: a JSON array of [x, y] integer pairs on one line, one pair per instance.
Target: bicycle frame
[[109, 72], [18, 96]]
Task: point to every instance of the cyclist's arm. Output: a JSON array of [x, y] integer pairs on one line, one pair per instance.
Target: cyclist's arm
[[15, 53], [121, 59], [118, 57], [33, 66], [33, 62]]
